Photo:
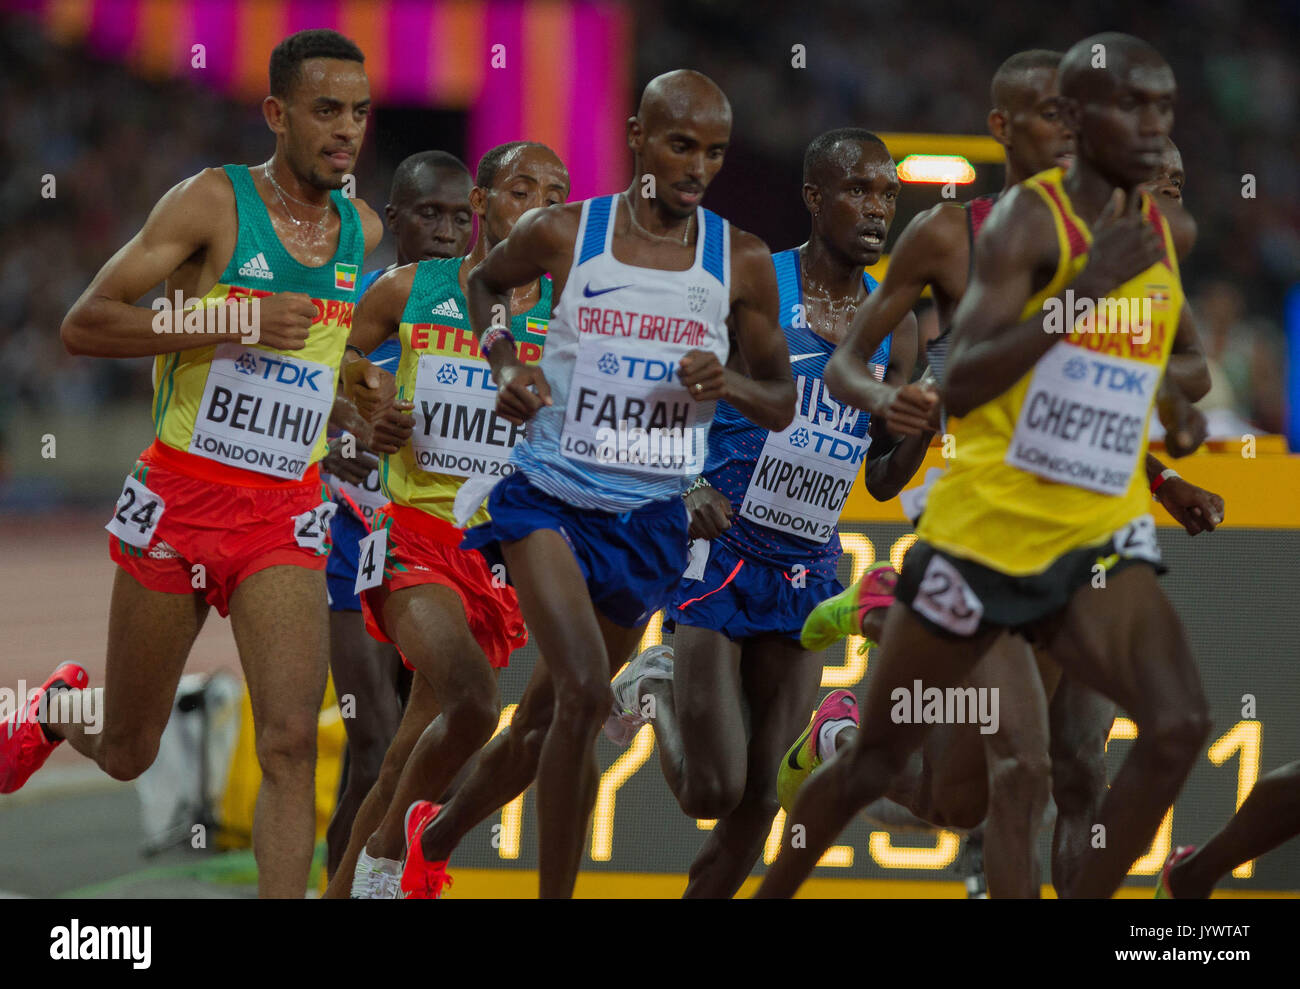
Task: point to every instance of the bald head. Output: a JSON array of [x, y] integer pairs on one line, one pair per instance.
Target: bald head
[[680, 97], [1097, 65], [1018, 80]]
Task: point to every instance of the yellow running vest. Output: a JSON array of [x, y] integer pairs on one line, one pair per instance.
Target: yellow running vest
[[1055, 462]]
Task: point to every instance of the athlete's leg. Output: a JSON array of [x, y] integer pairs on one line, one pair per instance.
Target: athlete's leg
[[780, 682], [421, 709], [1265, 819], [699, 723], [365, 670], [862, 773], [1080, 720], [279, 618], [555, 603], [150, 634], [428, 622], [1019, 773], [1127, 642]]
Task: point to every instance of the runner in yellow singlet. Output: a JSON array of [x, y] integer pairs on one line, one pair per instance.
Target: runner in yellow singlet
[[1041, 525]]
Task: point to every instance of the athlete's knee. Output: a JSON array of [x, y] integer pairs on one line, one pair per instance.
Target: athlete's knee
[[471, 719], [125, 758], [584, 702], [1177, 733], [287, 746], [710, 796], [1023, 778]]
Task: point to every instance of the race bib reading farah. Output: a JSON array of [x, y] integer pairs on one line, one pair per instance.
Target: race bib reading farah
[[262, 411], [1083, 419], [457, 429], [621, 391], [804, 476]]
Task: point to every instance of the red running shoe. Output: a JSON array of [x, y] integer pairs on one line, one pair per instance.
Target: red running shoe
[[23, 745], [421, 879]]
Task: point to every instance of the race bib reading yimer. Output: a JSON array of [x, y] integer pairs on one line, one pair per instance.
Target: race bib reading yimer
[[804, 476], [1083, 419], [457, 429], [627, 411], [262, 411]]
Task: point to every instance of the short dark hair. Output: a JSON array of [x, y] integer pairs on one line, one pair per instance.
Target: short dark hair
[[289, 54], [406, 176], [1009, 73], [490, 164], [821, 146]]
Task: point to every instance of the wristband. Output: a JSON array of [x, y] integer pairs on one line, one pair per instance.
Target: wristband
[[493, 336], [1165, 475], [699, 482], [353, 347]]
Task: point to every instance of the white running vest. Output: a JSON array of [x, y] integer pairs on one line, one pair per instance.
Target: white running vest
[[622, 431]]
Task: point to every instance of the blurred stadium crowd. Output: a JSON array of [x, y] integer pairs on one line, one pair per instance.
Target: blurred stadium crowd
[[115, 143]]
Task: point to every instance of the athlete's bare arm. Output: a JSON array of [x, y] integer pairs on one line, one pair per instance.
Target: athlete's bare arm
[[992, 348], [766, 396], [186, 242], [541, 241], [374, 390], [372, 227], [893, 461], [933, 250]]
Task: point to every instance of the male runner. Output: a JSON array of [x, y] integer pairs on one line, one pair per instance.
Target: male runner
[[453, 621], [429, 216], [999, 547], [935, 250], [226, 507], [738, 616], [594, 544]]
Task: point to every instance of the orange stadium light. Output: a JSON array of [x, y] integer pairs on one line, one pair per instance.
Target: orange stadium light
[[940, 169]]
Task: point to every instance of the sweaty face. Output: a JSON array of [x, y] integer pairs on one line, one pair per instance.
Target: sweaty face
[[684, 155], [436, 222], [859, 194], [325, 120], [529, 179], [1125, 127], [1039, 136], [1170, 178]]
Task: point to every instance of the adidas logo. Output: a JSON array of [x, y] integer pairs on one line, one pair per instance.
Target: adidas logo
[[256, 267], [448, 308]]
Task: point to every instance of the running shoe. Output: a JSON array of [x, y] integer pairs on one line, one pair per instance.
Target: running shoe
[[421, 879], [1163, 892], [626, 719], [803, 756], [375, 878], [23, 744], [841, 615], [971, 862]]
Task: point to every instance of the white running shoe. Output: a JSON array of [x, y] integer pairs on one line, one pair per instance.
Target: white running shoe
[[626, 719], [375, 878]]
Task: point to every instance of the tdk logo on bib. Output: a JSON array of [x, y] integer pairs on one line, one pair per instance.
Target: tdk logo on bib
[[799, 438], [608, 364], [447, 374], [1075, 369], [637, 368], [246, 364], [1119, 379], [283, 372]]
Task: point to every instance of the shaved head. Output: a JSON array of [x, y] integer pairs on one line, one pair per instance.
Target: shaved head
[[682, 96], [1012, 88], [1096, 65]]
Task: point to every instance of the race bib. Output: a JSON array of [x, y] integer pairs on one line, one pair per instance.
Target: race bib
[[627, 411], [804, 476], [1137, 540], [262, 411], [457, 429], [368, 496], [311, 528], [946, 599], [1083, 419], [137, 514], [371, 553], [699, 559]]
